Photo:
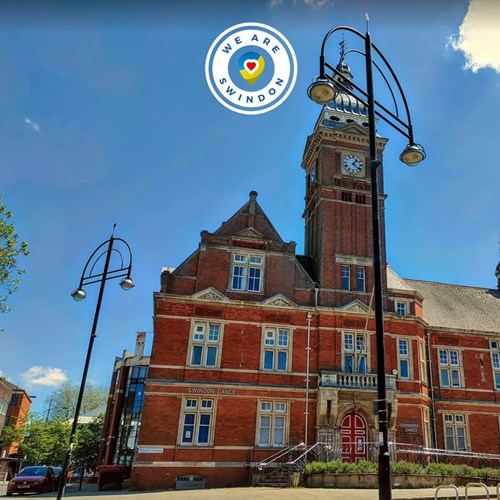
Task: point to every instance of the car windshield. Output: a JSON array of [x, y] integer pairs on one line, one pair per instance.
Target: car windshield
[[33, 471]]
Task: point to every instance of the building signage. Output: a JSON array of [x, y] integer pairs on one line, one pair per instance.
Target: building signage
[[150, 450], [212, 390], [412, 428]]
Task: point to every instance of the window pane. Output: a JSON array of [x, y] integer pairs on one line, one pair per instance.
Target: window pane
[[455, 378], [461, 439], [196, 355], [279, 431], [211, 356], [348, 342], [454, 358], [254, 279], [283, 338], [445, 379], [204, 429], [496, 360], [403, 347], [199, 333], [404, 371], [497, 380], [348, 363], [345, 277], [362, 364], [443, 357], [255, 260], [265, 431], [268, 360], [238, 278], [360, 343], [187, 431], [282, 358], [213, 333], [450, 441], [361, 279], [269, 338], [265, 406]]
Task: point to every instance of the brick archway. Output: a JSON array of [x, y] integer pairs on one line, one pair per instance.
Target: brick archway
[[354, 437]]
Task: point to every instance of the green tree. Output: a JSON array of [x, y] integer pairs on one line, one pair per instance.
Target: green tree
[[61, 404], [87, 441], [39, 441], [10, 250]]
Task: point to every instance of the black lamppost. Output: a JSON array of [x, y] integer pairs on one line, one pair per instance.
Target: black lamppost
[[322, 91], [91, 275]]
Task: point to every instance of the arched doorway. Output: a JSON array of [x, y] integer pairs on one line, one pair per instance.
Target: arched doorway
[[354, 436]]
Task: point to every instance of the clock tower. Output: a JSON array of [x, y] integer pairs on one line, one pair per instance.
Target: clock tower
[[338, 224]]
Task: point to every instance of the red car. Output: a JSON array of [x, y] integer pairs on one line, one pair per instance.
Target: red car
[[37, 478]]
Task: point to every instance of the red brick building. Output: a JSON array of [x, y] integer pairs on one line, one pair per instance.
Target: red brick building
[[257, 348]]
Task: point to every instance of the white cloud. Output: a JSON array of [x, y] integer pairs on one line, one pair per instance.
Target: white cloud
[[44, 375], [479, 36], [34, 126], [315, 4]]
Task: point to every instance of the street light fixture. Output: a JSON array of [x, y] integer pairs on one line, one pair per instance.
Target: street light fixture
[[91, 275], [324, 89]]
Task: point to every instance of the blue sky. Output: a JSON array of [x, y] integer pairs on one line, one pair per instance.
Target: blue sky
[[107, 117]]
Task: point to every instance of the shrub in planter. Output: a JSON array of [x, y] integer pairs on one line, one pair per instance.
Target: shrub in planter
[[404, 468], [439, 469], [366, 467]]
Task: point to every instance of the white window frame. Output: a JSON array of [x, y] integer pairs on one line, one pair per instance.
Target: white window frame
[[276, 344], [426, 421], [404, 352], [356, 346], [495, 362], [402, 307], [454, 430], [272, 423], [450, 368], [243, 265], [203, 341], [198, 409], [345, 275], [422, 360], [361, 277]]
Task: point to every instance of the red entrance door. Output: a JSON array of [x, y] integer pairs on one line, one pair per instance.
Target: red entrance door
[[353, 434]]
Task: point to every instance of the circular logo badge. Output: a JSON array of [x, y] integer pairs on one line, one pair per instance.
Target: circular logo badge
[[251, 68]]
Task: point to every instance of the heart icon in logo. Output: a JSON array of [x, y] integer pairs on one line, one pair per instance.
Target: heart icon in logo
[[251, 65]]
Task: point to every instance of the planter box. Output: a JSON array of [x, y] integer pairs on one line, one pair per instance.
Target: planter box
[[397, 481]]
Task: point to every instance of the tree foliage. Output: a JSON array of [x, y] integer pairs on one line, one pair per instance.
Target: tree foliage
[[10, 250], [61, 404], [43, 441]]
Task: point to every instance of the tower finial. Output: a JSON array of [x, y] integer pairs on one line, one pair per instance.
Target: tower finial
[[367, 17], [342, 48]]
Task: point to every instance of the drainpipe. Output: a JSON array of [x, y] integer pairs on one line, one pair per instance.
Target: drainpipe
[[431, 389], [308, 355]]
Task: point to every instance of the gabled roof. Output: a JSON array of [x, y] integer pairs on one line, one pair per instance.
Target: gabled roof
[[251, 222]]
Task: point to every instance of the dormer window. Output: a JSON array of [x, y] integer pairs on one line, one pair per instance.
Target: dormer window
[[402, 308], [247, 272]]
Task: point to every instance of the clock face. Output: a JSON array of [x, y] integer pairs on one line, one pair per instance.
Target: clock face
[[353, 164]]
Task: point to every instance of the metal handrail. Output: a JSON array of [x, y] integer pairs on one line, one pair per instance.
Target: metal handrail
[[279, 454]]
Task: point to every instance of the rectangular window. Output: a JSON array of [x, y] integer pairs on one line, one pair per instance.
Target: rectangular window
[[247, 272], [346, 278], [3, 407], [276, 349], [450, 368], [422, 358], [272, 423], [401, 308], [205, 344], [196, 421], [495, 361], [427, 427], [355, 353], [404, 358], [360, 279], [455, 432]]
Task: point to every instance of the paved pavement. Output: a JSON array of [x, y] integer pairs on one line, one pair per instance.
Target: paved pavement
[[90, 491]]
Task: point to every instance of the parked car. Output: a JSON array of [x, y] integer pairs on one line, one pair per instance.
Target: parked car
[[57, 473], [37, 478]]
